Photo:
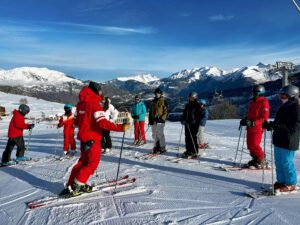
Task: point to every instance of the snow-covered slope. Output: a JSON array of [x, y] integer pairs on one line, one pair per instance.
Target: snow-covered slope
[[33, 76], [189, 192]]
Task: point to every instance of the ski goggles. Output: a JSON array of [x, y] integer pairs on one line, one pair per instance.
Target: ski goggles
[[283, 96]]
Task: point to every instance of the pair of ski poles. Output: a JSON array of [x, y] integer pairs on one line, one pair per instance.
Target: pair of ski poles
[[242, 151]]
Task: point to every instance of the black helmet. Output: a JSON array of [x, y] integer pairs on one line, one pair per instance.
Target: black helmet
[[137, 97], [258, 90], [95, 87], [158, 91], [290, 90], [193, 94], [24, 109]]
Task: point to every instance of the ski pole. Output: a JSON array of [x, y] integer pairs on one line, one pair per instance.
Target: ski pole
[[263, 169], [242, 151], [29, 139], [122, 144], [179, 141], [238, 145], [195, 148], [272, 163]]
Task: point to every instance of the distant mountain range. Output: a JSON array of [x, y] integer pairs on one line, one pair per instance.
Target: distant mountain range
[[58, 87]]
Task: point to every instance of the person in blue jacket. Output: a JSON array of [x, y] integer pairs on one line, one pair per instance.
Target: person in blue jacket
[[138, 114], [286, 132], [203, 117]]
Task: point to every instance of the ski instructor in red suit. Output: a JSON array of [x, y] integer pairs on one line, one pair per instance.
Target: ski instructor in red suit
[[91, 120], [258, 112]]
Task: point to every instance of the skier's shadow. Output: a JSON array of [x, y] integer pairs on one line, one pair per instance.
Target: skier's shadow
[[34, 181], [178, 171]]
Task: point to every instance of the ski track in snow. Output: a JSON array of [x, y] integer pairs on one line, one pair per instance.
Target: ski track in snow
[[165, 192]]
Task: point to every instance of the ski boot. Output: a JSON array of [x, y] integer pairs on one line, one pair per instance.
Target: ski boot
[[22, 158], [9, 163]]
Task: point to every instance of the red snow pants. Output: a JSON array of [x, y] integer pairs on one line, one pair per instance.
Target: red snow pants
[[87, 164], [139, 130], [253, 144], [69, 140]]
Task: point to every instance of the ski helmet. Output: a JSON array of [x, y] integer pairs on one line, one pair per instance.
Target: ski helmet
[[24, 109], [95, 87], [258, 90], [202, 101], [193, 94], [290, 90], [68, 107], [158, 91]]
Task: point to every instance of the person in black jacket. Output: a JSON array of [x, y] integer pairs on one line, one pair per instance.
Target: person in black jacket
[[190, 119], [286, 133]]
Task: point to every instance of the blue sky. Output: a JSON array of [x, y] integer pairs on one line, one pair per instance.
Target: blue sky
[[103, 39]]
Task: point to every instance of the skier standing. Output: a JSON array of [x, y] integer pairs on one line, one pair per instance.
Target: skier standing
[[191, 121], [286, 133], [158, 113], [111, 114], [68, 122], [202, 122], [138, 113], [258, 112], [15, 136], [91, 121]]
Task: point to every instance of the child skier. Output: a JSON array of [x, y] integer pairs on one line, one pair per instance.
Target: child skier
[[202, 122], [68, 122], [15, 136], [111, 114], [138, 113]]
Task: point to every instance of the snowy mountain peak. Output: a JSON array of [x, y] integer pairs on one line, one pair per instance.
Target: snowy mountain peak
[[143, 78], [30, 76]]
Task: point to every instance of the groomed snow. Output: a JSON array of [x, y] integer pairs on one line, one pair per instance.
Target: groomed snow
[[191, 192]]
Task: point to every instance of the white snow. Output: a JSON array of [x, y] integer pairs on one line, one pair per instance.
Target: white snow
[[143, 78], [191, 192], [30, 76]]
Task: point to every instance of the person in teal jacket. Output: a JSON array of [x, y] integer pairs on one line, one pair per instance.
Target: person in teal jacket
[[138, 114]]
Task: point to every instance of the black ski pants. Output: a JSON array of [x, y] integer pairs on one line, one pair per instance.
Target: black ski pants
[[191, 145], [19, 141], [106, 139]]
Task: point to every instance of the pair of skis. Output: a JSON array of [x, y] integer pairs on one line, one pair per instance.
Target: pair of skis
[[121, 182], [269, 193]]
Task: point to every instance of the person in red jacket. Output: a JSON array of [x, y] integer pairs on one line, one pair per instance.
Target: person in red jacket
[[15, 136], [258, 112], [90, 120], [68, 122]]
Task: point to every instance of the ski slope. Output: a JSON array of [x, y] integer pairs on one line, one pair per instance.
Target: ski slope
[[188, 192]]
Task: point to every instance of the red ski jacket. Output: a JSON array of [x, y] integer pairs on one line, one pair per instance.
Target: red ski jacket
[[68, 122], [17, 125], [258, 112], [91, 117]]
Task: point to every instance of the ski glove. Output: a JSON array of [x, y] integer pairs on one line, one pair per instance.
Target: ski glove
[[31, 126], [248, 123], [243, 122], [268, 125], [126, 127], [87, 145]]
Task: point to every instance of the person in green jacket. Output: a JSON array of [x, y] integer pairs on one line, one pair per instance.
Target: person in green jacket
[[158, 114]]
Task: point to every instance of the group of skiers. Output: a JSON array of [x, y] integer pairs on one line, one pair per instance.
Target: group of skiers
[[286, 131], [95, 121]]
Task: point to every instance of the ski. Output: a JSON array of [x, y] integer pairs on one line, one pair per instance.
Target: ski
[[147, 156], [121, 182], [269, 193], [20, 163], [238, 168]]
